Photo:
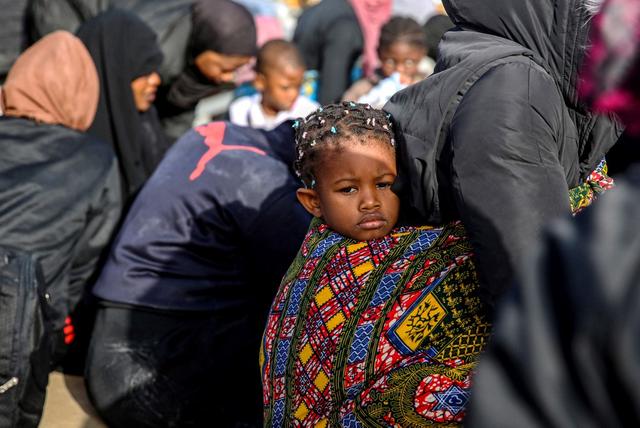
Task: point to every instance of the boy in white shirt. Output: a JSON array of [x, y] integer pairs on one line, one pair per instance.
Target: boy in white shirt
[[279, 73]]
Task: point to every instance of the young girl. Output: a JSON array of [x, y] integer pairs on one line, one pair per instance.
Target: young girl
[[373, 325], [346, 160]]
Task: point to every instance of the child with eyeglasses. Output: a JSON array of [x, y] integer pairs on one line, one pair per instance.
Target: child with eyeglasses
[[402, 49]]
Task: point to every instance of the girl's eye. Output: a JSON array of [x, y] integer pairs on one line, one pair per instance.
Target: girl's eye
[[348, 190], [385, 185]]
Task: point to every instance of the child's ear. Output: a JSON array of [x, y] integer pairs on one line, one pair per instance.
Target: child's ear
[[259, 82], [310, 201]]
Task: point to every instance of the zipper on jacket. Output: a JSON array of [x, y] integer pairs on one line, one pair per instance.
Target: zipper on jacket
[[8, 385]]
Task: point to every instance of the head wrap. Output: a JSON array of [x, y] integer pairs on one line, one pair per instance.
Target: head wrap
[[221, 26], [610, 76], [125, 48], [54, 82]]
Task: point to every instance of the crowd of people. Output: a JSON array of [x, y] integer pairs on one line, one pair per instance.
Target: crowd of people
[[395, 213]]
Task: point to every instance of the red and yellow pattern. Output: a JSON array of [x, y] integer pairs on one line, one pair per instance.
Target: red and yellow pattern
[[377, 333]]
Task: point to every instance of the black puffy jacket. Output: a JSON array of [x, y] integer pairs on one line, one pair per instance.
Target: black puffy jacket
[[59, 202], [496, 136]]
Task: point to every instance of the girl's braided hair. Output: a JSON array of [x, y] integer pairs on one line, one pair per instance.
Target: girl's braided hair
[[331, 125]]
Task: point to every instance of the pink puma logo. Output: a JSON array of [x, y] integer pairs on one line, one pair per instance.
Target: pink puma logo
[[213, 134]]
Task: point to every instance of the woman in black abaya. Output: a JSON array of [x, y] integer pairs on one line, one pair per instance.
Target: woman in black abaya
[[127, 58]]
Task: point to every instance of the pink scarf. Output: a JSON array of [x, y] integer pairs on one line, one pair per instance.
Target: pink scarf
[[372, 15]]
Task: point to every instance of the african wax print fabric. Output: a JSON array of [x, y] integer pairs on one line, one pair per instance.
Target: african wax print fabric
[[376, 333], [596, 183]]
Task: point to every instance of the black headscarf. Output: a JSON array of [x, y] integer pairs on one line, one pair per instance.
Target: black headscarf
[[221, 26], [123, 49]]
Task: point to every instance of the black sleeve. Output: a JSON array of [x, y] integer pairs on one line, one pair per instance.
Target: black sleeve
[[103, 216], [566, 345], [342, 46], [506, 176]]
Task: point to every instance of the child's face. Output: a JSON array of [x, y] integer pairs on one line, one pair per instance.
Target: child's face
[[279, 87], [402, 58], [353, 189]]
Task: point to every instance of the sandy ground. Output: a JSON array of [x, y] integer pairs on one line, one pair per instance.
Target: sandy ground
[[67, 404]]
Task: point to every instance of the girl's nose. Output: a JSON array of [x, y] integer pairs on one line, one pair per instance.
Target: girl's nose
[[369, 200]]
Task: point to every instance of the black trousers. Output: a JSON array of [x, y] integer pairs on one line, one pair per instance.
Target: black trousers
[[174, 369]]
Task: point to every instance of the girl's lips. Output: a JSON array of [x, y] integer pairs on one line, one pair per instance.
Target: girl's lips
[[372, 222], [372, 225]]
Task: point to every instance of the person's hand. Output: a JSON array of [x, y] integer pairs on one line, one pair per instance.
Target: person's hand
[[69, 331]]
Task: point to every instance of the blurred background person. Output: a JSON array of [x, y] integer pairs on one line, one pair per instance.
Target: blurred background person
[[279, 73], [222, 39], [127, 58], [59, 187], [332, 36], [401, 48], [185, 292]]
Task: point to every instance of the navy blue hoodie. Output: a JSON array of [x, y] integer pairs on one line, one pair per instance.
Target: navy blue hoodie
[[214, 228]]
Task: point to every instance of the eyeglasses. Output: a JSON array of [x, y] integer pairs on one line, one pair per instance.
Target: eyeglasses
[[392, 63]]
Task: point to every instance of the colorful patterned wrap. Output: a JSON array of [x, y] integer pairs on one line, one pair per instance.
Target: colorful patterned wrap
[[596, 183], [383, 333], [377, 333]]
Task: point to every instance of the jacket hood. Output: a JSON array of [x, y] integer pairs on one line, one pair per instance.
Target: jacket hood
[[555, 30]]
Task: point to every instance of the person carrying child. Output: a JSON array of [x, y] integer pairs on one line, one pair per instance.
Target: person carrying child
[[373, 324], [279, 74]]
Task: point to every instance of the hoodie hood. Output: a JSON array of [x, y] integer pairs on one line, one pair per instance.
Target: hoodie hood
[[555, 30]]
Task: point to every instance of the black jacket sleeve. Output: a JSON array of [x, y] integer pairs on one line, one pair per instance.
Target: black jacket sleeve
[[506, 176], [102, 218], [566, 347]]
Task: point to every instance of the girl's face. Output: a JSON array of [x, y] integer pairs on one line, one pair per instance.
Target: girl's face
[[403, 58], [144, 90], [353, 189]]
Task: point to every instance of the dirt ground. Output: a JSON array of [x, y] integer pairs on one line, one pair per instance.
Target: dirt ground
[[67, 404]]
